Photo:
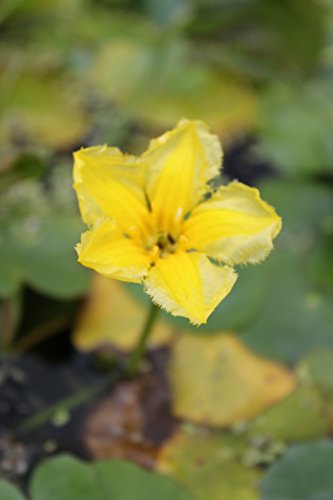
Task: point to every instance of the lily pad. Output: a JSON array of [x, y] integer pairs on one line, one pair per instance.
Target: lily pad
[[295, 306], [66, 478], [294, 125], [42, 255], [304, 473], [216, 380], [125, 481], [9, 492]]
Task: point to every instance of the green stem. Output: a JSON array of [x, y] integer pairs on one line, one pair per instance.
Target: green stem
[[139, 350], [87, 393], [69, 403]]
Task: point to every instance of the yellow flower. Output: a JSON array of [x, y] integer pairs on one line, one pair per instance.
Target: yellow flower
[[154, 220]]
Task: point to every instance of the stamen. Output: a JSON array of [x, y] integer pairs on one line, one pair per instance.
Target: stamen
[[179, 214], [171, 239], [154, 252], [148, 202]]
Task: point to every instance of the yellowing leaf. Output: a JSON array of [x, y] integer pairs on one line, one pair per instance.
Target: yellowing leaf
[[300, 417], [40, 109], [159, 84], [216, 380], [112, 316], [206, 465]]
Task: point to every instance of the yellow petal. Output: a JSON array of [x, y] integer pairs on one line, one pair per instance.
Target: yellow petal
[[107, 251], [180, 163], [110, 183], [188, 284], [235, 225]]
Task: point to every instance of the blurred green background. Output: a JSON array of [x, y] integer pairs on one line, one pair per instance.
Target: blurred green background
[[260, 72]]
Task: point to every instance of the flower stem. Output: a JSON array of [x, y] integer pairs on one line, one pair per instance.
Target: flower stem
[[82, 396], [139, 350], [90, 392]]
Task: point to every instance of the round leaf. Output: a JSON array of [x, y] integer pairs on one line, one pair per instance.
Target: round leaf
[[9, 492], [64, 478], [304, 473], [125, 481]]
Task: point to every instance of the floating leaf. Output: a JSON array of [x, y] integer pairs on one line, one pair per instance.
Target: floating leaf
[[304, 473], [125, 481], [144, 77], [9, 492], [40, 110], [207, 465], [294, 310], [295, 307], [112, 316], [316, 368], [320, 264], [294, 126], [40, 251], [299, 417], [66, 478], [216, 380]]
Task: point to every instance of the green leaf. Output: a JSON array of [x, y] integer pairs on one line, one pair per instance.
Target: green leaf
[[168, 12], [316, 368], [41, 253], [304, 473], [51, 263], [10, 275], [66, 478], [294, 126], [320, 264], [124, 481], [299, 417], [9, 492], [296, 315]]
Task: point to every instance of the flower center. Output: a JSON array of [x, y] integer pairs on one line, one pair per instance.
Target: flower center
[[166, 243]]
